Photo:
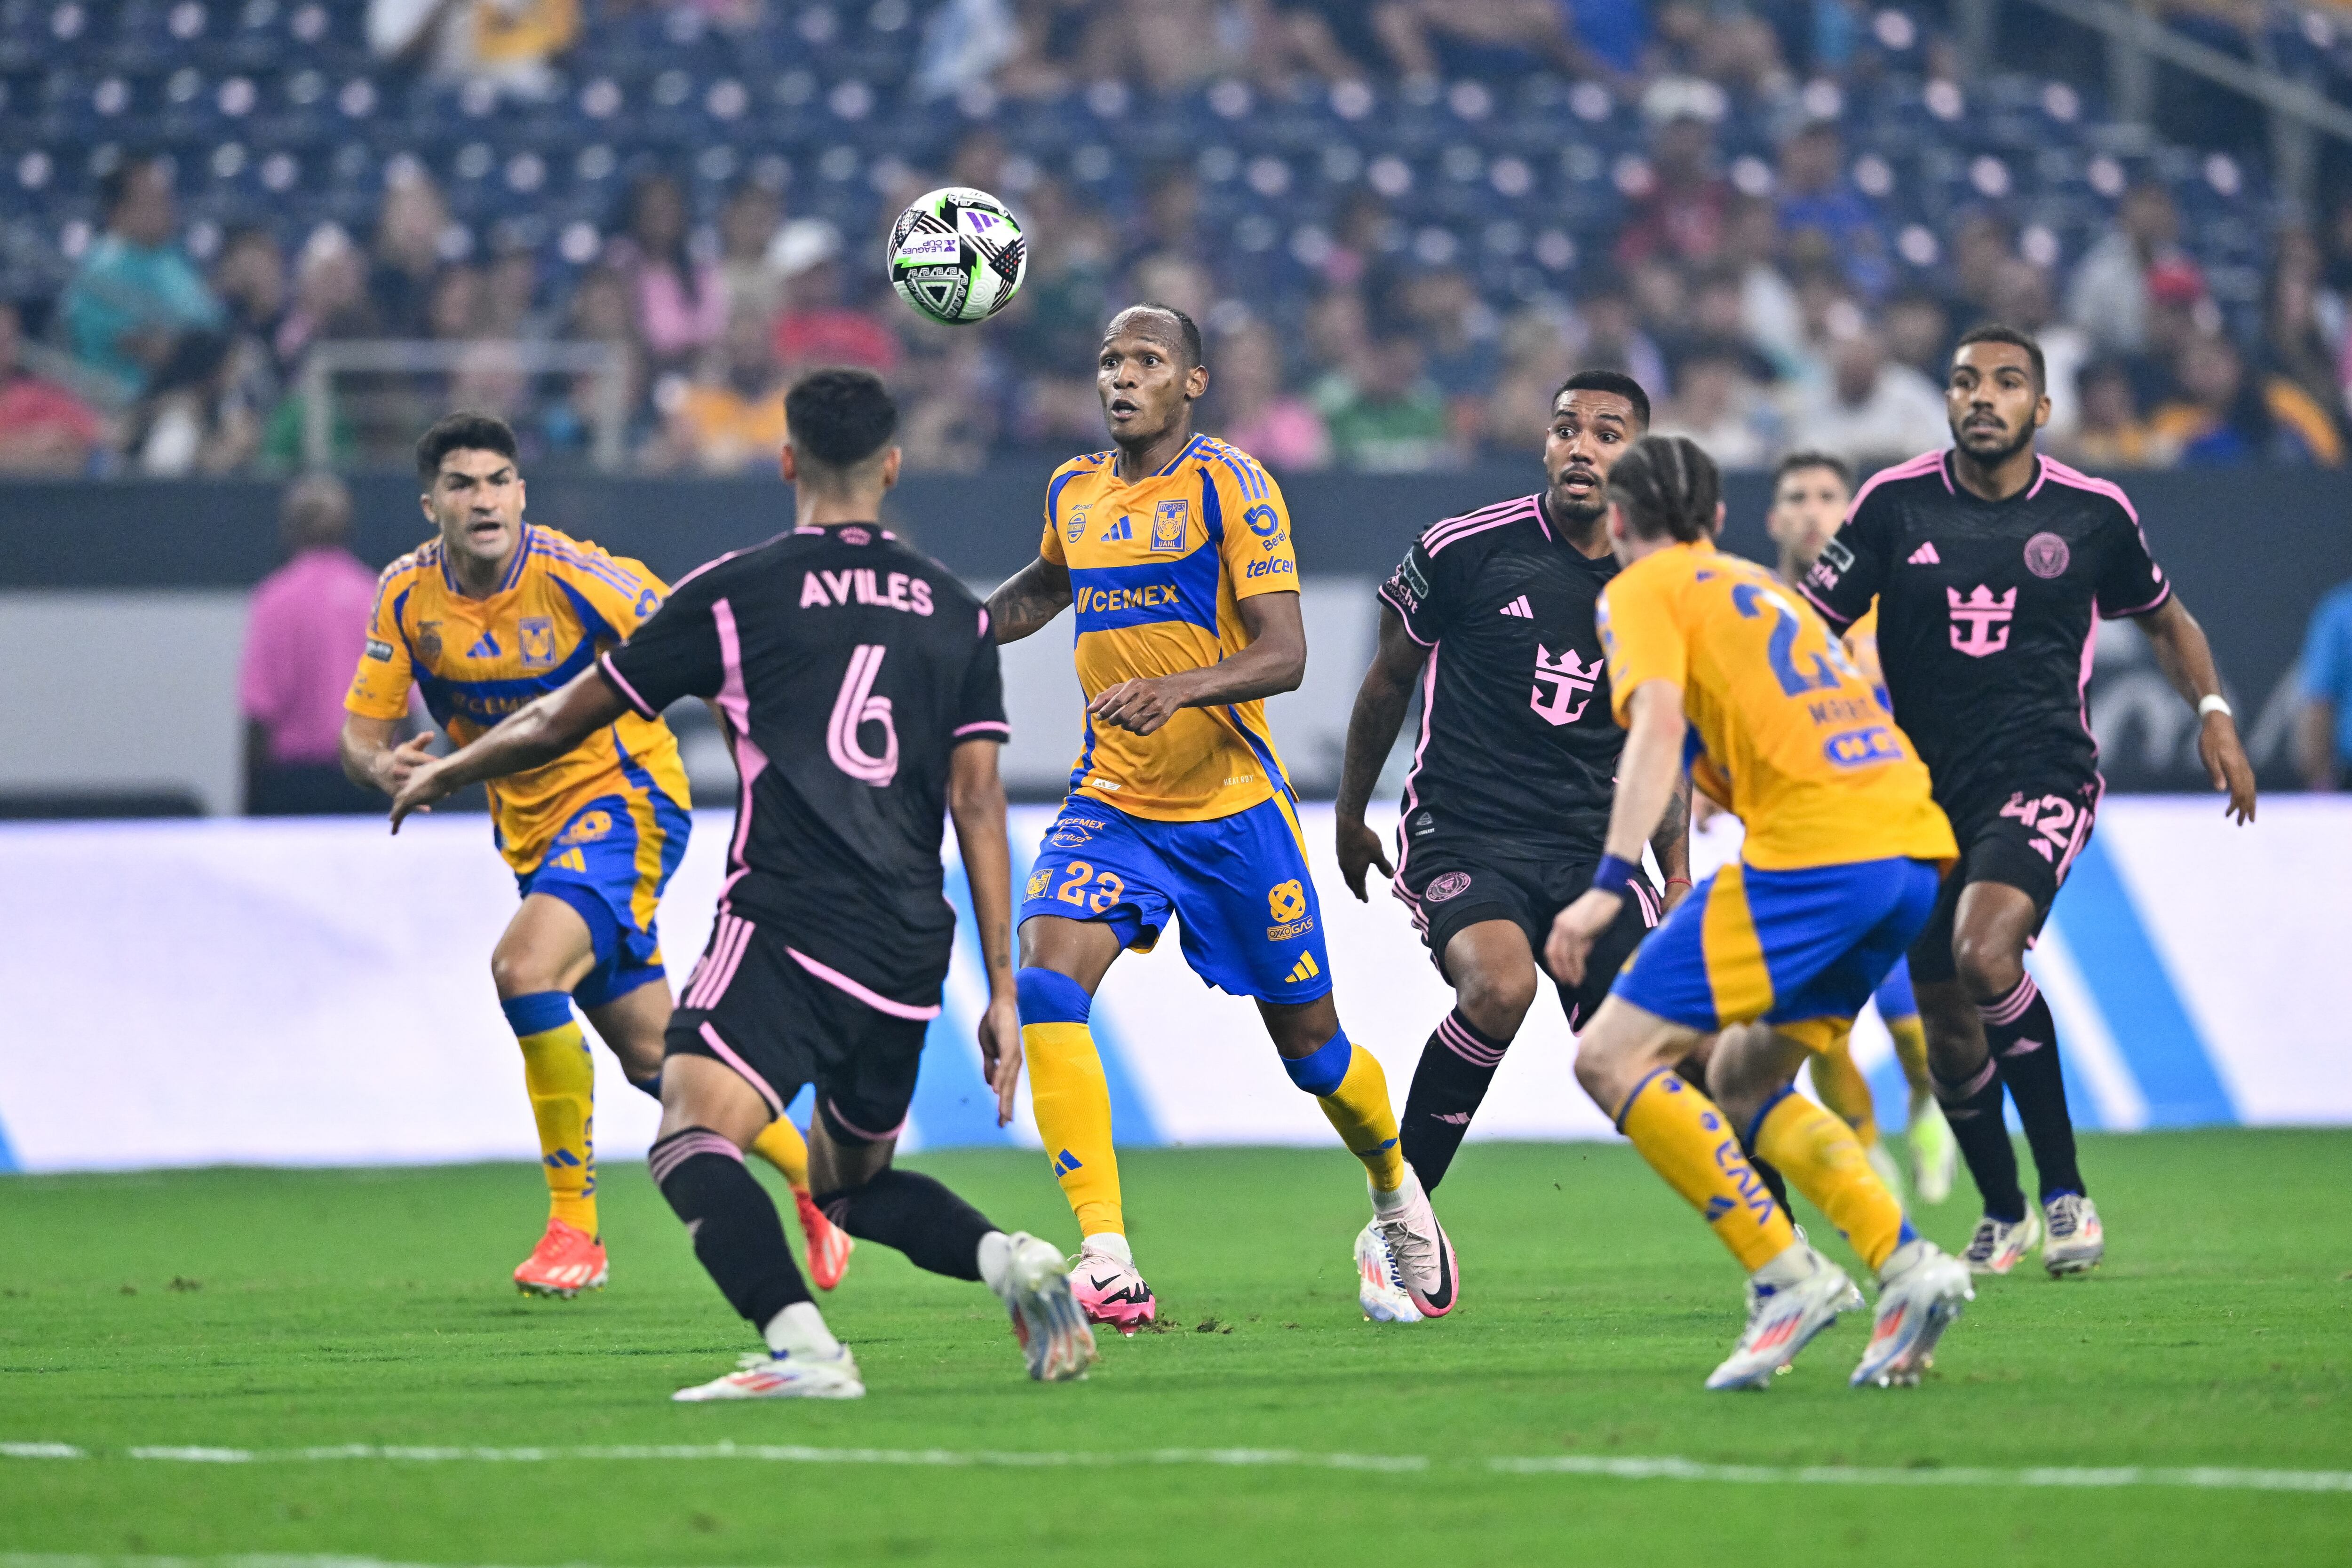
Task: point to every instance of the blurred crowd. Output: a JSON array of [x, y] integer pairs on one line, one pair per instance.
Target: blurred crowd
[[1768, 307]]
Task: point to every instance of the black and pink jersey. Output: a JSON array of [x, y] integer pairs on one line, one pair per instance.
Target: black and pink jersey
[[1516, 741], [1986, 614], [847, 668]]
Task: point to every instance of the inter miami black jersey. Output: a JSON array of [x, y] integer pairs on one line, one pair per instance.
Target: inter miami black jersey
[[1517, 739], [1986, 611], [847, 668]]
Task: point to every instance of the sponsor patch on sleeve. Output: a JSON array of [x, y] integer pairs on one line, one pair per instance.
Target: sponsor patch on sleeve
[[378, 649]]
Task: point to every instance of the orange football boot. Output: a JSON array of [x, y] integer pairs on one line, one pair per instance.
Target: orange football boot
[[829, 1245], [566, 1261]]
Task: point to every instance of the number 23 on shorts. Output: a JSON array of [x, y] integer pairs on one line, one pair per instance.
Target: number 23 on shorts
[[1105, 891]]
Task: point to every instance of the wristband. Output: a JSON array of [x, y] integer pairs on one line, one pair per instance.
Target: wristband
[[1684, 880], [2212, 702], [1614, 875]]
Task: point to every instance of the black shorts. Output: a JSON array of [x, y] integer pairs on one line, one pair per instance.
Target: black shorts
[[1454, 881], [755, 1005], [2027, 842]]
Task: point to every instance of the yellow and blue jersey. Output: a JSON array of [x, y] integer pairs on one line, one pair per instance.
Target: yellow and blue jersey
[[561, 603], [1785, 731], [1158, 568]]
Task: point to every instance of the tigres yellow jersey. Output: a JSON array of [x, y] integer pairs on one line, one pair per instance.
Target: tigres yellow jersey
[[561, 603], [1158, 568], [1785, 731]]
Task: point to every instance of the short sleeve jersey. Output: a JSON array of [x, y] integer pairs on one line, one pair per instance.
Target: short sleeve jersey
[[847, 668], [2328, 662], [1986, 611], [561, 603], [1784, 730], [1520, 741], [1159, 566]]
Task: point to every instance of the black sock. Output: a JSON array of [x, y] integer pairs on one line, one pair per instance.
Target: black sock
[[1973, 1111], [919, 1216], [1774, 1183], [1456, 1066], [2023, 1039], [735, 1230]]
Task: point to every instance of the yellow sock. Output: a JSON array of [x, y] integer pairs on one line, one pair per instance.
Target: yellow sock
[[1822, 1159], [1358, 1111], [1844, 1089], [1072, 1099], [779, 1145], [1687, 1141], [561, 1081], [1911, 1050]]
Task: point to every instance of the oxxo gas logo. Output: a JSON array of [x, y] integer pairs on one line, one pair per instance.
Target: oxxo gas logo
[[1286, 905]]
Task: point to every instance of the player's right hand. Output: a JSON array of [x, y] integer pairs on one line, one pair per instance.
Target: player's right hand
[[999, 1052], [401, 762], [424, 786], [1360, 847]]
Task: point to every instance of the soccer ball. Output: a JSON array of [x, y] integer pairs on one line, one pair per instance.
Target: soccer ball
[[957, 256]]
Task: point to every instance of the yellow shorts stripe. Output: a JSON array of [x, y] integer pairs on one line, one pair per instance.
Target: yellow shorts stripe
[[1736, 971], [1282, 799]]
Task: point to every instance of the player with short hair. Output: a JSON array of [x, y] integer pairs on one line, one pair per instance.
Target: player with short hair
[[860, 692], [1712, 660], [1491, 615], [1991, 565], [1175, 549], [1810, 493], [490, 613]]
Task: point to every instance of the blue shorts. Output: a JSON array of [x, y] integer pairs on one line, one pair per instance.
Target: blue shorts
[[1894, 994], [611, 862], [1237, 885], [1785, 947]]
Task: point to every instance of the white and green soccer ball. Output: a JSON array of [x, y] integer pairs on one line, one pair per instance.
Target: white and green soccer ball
[[957, 256]]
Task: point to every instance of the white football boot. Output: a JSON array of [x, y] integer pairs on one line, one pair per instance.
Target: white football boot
[[1379, 1292], [1781, 1317], [1998, 1244], [1418, 1246], [1934, 1153], [1055, 1339], [1920, 1291], [2076, 1241], [769, 1376]]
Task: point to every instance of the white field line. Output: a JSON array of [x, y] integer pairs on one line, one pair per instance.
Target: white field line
[[2210, 1477]]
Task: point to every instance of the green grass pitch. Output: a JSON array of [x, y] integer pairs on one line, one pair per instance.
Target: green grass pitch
[[273, 1312]]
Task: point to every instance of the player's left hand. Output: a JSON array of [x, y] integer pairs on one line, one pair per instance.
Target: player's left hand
[[1574, 932], [999, 1052], [1140, 706], [2225, 763], [419, 790]]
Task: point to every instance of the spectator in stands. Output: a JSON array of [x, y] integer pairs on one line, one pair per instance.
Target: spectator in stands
[[2021, 298], [748, 227], [507, 43], [681, 302], [45, 429], [1982, 243], [456, 313], [512, 310], [729, 418], [1718, 406], [331, 298], [2226, 414], [303, 638], [193, 420], [1611, 337], [1681, 216], [953, 417], [2108, 295], [820, 326], [1249, 408], [1536, 359], [2323, 734], [1816, 196], [409, 227], [136, 293], [249, 278], [1420, 34], [1458, 330], [2109, 433], [1390, 418], [2295, 345], [1918, 332], [1870, 410]]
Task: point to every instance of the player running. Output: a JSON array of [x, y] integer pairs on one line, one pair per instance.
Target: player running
[[1176, 550], [1492, 615], [1838, 871], [1991, 565], [860, 689], [490, 614], [1810, 493]]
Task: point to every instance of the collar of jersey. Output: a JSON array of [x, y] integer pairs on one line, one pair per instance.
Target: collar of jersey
[[512, 575], [1951, 470], [1173, 464]]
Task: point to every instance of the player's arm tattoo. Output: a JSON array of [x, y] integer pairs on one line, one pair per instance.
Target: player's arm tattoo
[[1670, 842], [1381, 704], [1028, 599]]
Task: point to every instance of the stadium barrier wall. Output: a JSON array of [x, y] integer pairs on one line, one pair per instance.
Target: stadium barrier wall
[[316, 992]]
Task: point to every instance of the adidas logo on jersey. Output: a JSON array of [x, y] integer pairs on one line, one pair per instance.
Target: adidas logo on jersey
[[485, 647], [1519, 608], [1122, 530], [1926, 555], [1306, 969]]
